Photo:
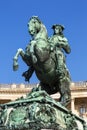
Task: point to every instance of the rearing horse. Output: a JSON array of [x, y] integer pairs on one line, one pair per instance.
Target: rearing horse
[[39, 55]]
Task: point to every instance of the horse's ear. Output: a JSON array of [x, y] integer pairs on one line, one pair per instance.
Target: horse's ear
[[36, 18]]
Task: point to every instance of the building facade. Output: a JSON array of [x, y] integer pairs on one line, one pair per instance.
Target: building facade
[[78, 104]]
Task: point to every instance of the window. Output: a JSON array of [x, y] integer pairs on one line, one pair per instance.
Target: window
[[82, 110]]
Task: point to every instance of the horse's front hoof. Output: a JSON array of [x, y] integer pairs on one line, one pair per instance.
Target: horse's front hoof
[[15, 67]]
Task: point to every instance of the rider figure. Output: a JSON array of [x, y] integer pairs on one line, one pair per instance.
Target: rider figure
[[60, 44]]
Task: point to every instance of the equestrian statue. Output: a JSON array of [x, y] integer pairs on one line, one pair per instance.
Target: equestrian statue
[[46, 56]]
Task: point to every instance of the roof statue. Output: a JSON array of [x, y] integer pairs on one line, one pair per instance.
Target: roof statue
[[46, 56]]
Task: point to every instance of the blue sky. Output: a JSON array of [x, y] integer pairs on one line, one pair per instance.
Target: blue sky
[[14, 16]]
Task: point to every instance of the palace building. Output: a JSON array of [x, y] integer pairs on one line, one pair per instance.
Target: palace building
[[78, 104]]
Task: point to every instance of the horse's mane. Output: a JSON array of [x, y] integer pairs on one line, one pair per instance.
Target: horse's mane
[[42, 33]]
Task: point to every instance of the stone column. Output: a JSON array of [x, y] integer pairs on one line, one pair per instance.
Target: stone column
[[73, 105]]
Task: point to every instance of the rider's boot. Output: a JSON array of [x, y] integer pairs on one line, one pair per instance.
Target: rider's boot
[[64, 92]]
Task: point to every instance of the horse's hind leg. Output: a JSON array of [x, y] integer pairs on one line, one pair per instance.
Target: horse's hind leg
[[45, 87]]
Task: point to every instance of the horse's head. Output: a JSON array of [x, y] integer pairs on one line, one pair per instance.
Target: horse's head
[[34, 25], [36, 28], [39, 42]]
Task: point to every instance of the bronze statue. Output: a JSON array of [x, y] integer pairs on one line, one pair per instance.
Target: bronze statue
[[46, 62]]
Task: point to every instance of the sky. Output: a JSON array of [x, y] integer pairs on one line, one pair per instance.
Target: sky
[[14, 16]]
